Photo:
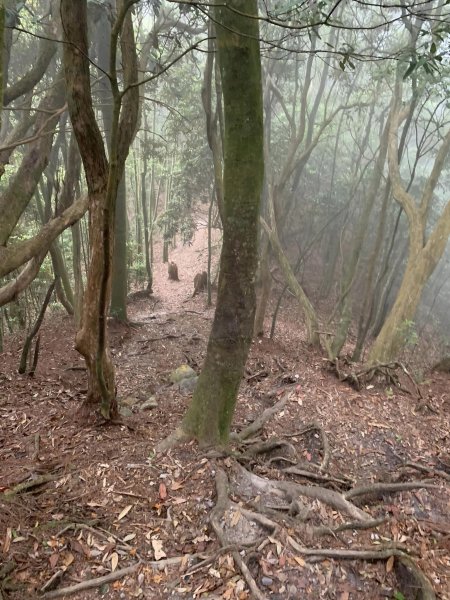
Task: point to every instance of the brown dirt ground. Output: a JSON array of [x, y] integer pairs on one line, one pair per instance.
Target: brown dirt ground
[[111, 501]]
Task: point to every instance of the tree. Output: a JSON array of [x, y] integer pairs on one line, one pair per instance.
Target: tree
[[209, 416], [102, 178], [424, 250]]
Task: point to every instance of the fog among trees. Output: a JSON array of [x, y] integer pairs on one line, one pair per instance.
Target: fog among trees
[[309, 140]]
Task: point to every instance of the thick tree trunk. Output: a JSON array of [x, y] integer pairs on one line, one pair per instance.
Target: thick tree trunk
[[2, 35], [211, 411], [392, 335]]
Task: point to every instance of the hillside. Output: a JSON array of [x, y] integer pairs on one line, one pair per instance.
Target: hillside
[[81, 499]]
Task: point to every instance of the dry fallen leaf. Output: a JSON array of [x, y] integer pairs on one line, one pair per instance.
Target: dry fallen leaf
[[157, 549], [53, 560], [235, 518], [125, 511], [176, 485], [114, 561], [7, 542], [390, 564], [68, 559], [179, 501], [162, 491], [299, 561]]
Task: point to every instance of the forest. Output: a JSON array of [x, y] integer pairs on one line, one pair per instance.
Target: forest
[[224, 299]]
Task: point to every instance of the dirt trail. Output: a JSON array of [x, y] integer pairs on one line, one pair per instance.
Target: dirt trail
[[192, 258]]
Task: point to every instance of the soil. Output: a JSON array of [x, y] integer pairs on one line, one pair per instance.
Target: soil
[[96, 498]]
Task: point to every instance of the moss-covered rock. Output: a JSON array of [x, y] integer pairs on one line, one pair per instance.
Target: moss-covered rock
[[182, 372]]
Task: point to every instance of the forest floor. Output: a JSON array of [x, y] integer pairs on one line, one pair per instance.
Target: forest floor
[[82, 500]]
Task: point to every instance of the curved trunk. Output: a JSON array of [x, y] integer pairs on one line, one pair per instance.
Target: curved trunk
[[102, 180], [422, 256]]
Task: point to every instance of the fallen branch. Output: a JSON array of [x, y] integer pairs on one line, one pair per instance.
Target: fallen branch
[[28, 485]]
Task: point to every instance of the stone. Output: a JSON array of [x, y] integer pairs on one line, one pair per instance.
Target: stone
[[266, 581], [129, 401], [149, 404], [182, 372], [125, 411], [187, 386]]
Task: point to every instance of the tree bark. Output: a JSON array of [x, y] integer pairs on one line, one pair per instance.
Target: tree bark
[[423, 253], [19, 192], [102, 180], [211, 411]]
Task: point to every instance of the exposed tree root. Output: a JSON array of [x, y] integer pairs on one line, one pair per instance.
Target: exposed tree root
[[363, 376], [290, 492], [171, 441], [262, 447], [92, 583], [215, 519], [325, 478], [322, 531], [265, 416], [425, 469], [420, 580], [248, 484], [382, 488]]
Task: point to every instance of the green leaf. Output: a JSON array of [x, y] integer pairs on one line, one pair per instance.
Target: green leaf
[[399, 596], [410, 69], [433, 48]]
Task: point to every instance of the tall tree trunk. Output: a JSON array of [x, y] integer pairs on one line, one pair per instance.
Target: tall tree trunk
[[211, 411], [102, 180], [15, 198], [423, 253], [119, 286], [2, 37], [119, 282], [77, 273]]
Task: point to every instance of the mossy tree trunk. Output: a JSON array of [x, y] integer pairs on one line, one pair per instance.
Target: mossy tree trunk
[[209, 416], [102, 178], [424, 251], [2, 35]]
